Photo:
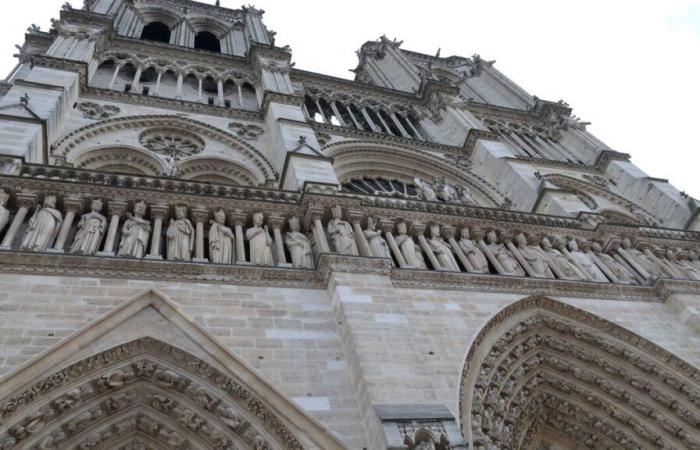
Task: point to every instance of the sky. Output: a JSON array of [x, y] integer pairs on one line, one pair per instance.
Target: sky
[[632, 68]]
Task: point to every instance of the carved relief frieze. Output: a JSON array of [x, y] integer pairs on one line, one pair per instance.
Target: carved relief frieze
[[95, 111]]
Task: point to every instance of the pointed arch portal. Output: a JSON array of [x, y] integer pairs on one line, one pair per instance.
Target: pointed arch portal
[[543, 374], [146, 393]]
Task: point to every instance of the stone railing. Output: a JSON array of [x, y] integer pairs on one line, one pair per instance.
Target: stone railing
[[65, 212]]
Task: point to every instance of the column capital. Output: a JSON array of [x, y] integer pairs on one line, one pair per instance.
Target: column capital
[[448, 231], [418, 228], [159, 211], [73, 203], [387, 225], [117, 207], [355, 215], [313, 212], [26, 199], [476, 233], [238, 217], [200, 215], [275, 222]]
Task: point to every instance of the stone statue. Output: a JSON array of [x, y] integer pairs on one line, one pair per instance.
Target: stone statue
[[465, 196], [425, 190], [586, 262], [566, 268], [377, 245], [180, 236], [409, 249], [172, 166], [694, 259], [535, 257], [503, 255], [135, 233], [299, 246], [677, 267], [43, 226], [683, 261], [444, 191], [442, 250], [260, 242], [642, 259], [221, 240], [4, 212], [341, 233], [623, 275], [91, 229], [473, 252]]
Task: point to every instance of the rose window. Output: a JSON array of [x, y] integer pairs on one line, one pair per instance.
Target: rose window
[[178, 143]]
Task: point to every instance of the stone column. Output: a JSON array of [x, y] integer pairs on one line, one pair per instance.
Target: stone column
[[137, 80], [25, 200], [418, 230], [372, 125], [336, 111], [73, 206], [415, 131], [449, 233], [387, 227], [276, 222], [352, 116], [157, 90], [199, 216], [199, 90], [362, 245], [117, 68], [313, 219], [180, 79], [220, 88], [239, 219], [397, 122], [158, 214], [116, 209]]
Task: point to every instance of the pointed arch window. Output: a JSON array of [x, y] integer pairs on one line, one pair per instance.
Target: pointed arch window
[[156, 31]]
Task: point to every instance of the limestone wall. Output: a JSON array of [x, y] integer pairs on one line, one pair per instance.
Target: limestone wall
[[337, 352]]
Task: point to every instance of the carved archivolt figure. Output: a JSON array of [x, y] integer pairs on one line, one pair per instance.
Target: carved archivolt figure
[[465, 196], [686, 265], [260, 242], [377, 245], [135, 233], [43, 227], [473, 252], [4, 212], [91, 229], [503, 255], [180, 236], [535, 257], [341, 233], [565, 267], [409, 249], [299, 246], [592, 271], [442, 250], [221, 240], [623, 275], [677, 268]]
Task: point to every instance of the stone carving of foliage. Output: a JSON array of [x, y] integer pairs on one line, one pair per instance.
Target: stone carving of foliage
[[171, 141], [248, 132], [96, 111]]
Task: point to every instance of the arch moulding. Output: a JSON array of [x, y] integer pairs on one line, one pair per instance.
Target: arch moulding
[[542, 372]]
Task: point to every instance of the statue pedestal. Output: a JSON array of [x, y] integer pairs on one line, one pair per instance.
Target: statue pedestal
[[154, 257], [55, 250], [284, 265], [200, 260], [108, 254]]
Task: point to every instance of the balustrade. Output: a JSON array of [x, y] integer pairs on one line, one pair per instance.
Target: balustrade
[[83, 224]]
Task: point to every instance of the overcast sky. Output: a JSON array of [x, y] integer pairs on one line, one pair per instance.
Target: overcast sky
[[632, 68]]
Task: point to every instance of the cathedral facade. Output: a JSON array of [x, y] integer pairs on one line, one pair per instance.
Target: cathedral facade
[[204, 247]]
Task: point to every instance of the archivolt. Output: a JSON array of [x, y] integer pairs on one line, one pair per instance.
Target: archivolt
[[144, 390], [152, 12], [355, 159], [120, 159], [542, 370], [65, 147], [216, 169]]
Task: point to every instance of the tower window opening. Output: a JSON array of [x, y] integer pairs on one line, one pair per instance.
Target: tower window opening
[[145, 90], [205, 40], [156, 31]]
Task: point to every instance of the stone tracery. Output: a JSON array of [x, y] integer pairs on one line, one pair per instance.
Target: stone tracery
[[541, 368]]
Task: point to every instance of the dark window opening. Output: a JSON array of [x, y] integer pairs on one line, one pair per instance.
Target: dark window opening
[[227, 103], [205, 40], [211, 100], [156, 31], [210, 86], [127, 87], [145, 90]]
